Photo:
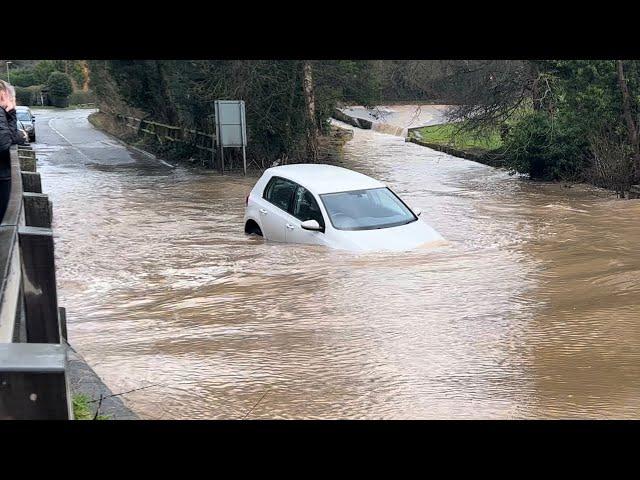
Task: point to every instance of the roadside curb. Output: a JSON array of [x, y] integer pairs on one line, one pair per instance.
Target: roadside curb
[[489, 159], [147, 154], [128, 145], [84, 380]]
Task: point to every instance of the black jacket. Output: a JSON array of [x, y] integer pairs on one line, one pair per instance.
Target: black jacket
[[9, 135]]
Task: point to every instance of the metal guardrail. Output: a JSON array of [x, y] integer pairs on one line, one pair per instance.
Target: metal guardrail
[[33, 380]]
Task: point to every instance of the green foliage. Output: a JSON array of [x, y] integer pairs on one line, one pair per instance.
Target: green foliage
[[43, 69], [39, 73], [454, 135], [545, 147], [28, 96], [59, 85], [579, 99], [183, 93], [82, 410], [23, 77], [77, 73], [23, 97]]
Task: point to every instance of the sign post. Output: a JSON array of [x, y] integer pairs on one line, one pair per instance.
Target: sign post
[[231, 128]]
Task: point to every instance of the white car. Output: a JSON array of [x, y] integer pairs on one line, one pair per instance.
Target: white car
[[332, 206]]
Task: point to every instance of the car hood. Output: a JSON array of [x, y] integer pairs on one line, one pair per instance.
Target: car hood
[[404, 237]]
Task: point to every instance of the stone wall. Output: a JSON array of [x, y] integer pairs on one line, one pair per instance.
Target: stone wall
[[479, 156]]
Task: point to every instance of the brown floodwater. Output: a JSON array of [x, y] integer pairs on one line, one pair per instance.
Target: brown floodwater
[[530, 310]]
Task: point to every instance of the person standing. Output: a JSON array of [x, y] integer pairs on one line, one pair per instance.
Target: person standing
[[9, 135]]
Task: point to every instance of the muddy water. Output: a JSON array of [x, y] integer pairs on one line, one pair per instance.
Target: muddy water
[[529, 311]]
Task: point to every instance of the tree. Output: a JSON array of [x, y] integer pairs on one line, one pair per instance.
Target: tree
[[43, 69], [632, 127], [59, 85], [288, 102], [310, 102]]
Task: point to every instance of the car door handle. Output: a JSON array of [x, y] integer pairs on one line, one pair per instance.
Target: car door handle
[[263, 211], [290, 227]]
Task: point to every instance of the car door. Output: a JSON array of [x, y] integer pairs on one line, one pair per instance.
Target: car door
[[274, 207], [305, 207]]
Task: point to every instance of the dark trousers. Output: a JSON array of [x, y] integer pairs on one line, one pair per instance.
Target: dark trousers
[[5, 191]]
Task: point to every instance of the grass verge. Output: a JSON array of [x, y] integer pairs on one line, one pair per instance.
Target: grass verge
[[449, 134], [82, 410]]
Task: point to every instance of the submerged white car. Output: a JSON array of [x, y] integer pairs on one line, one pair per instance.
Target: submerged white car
[[332, 206]]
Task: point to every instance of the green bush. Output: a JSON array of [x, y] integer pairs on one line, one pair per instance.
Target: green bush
[[23, 77], [545, 147], [77, 73], [23, 96], [59, 84], [43, 69], [29, 96]]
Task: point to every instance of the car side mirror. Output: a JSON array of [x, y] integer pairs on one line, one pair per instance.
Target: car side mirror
[[417, 211], [312, 225]]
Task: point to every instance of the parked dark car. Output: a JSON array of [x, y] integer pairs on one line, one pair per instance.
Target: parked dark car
[[27, 122]]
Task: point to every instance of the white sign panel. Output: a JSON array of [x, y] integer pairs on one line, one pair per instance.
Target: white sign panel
[[231, 123]]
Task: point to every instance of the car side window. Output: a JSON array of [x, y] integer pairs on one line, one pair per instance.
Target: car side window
[[280, 192], [305, 207]]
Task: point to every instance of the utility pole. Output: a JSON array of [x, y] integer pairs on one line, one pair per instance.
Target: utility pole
[[8, 77]]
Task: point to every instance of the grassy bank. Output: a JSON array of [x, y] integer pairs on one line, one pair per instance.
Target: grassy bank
[[82, 409], [450, 134], [483, 147]]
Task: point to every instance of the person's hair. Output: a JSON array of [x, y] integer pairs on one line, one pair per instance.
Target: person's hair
[[7, 87]]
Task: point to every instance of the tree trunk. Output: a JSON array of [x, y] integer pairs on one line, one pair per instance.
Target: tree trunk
[[310, 101], [294, 85], [628, 116], [85, 73], [170, 114]]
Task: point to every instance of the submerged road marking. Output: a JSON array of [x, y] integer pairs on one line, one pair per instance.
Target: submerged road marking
[[127, 147], [66, 139]]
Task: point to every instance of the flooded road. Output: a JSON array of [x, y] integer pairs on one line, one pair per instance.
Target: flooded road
[[530, 311]]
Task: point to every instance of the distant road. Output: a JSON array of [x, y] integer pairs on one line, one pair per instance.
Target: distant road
[[69, 135]]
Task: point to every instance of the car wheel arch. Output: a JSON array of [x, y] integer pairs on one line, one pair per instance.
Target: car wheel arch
[[251, 226]]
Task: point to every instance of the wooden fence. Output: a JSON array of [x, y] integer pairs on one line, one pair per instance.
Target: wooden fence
[[33, 375], [164, 133]]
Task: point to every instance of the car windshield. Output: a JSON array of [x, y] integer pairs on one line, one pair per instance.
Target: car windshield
[[23, 116], [366, 209]]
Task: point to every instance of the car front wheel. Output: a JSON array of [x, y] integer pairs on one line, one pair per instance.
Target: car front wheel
[[252, 227]]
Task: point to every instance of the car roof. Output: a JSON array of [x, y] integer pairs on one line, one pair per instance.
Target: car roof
[[321, 178], [19, 107]]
